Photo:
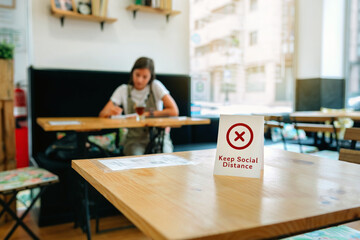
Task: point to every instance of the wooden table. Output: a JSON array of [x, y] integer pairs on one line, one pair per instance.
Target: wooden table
[[95, 123], [317, 114], [87, 124], [296, 193], [314, 122], [353, 115]]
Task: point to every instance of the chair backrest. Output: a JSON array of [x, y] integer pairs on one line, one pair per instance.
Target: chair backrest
[[312, 119], [315, 123], [272, 117], [351, 155], [352, 134]]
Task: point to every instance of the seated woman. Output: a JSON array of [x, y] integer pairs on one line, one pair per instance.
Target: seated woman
[[142, 88]]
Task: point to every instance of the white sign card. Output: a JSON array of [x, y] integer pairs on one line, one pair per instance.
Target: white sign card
[[240, 146]]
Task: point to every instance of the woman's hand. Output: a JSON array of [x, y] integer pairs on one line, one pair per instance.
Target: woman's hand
[[115, 110], [110, 110]]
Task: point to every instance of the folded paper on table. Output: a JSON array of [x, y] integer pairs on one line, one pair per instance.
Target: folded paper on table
[[55, 123], [143, 162], [132, 115], [180, 118]]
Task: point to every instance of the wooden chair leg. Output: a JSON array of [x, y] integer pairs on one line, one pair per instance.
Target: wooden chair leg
[[283, 138], [299, 140]]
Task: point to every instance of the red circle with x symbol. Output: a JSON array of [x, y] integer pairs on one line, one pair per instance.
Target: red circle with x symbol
[[239, 136]]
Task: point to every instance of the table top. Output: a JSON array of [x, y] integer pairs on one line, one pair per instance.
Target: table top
[[24, 178], [95, 123], [296, 193], [353, 115]]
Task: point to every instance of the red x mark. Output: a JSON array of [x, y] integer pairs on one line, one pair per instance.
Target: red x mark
[[239, 136]]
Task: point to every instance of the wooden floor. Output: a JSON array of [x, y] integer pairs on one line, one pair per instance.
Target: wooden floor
[[68, 232]]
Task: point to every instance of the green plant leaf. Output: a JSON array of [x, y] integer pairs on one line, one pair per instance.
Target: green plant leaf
[[6, 50]]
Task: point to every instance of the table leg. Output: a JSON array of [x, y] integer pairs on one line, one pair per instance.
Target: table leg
[[82, 212], [149, 147], [81, 144], [161, 139], [87, 211], [156, 142]]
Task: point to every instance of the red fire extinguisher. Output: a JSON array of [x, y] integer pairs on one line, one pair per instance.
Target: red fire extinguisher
[[21, 131], [20, 110]]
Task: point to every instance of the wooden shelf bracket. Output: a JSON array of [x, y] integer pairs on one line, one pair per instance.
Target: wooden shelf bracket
[[62, 21], [167, 12], [61, 14], [134, 14]]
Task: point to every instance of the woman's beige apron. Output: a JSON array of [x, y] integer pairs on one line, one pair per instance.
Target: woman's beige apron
[[138, 138]]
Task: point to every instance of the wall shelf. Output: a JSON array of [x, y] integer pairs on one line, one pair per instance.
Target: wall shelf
[[72, 14], [140, 8]]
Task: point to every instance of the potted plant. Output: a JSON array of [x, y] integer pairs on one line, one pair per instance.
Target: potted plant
[[6, 71]]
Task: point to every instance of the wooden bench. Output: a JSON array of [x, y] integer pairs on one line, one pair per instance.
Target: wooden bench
[[315, 124]]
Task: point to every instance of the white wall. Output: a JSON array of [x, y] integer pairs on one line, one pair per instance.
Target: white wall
[[320, 43], [333, 40], [308, 38], [82, 45]]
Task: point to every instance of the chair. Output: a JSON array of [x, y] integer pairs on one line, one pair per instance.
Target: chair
[[315, 125], [14, 181], [276, 121], [351, 155]]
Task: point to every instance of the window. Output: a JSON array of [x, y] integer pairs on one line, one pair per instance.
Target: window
[[232, 70], [253, 38], [255, 79], [253, 5]]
